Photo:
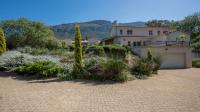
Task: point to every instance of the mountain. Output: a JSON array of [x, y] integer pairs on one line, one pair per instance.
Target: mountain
[[139, 23], [93, 29]]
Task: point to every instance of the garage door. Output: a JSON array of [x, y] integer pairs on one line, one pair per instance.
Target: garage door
[[173, 61]]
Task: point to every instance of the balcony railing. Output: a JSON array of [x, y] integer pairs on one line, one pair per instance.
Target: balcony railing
[[165, 43]]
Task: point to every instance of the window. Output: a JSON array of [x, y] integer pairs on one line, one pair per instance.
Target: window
[[124, 39], [150, 32], [121, 32], [158, 32], [129, 43], [134, 44], [144, 43], [129, 32], [138, 43]]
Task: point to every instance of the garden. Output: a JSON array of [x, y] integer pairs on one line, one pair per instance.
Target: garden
[[196, 62], [31, 49]]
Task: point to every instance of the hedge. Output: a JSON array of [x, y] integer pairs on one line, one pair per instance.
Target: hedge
[[108, 50]]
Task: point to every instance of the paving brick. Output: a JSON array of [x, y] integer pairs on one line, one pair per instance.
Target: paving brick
[[169, 91]]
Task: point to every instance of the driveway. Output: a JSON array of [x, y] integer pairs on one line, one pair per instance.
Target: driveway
[[169, 91]]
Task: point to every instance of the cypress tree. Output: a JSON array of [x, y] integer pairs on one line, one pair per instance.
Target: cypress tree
[[78, 51], [2, 42]]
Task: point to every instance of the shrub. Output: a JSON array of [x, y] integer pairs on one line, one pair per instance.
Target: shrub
[[96, 50], [2, 42], [143, 69], [149, 55], [78, 51], [45, 51], [115, 51], [113, 67], [71, 47], [68, 57], [124, 76], [33, 51], [12, 59], [196, 62], [40, 69], [109, 69], [156, 65], [52, 44]]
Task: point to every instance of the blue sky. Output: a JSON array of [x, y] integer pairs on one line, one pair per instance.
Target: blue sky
[[65, 11]]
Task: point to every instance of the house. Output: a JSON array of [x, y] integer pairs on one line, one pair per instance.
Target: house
[[172, 47]]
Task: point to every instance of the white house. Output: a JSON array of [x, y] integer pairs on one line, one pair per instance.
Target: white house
[[172, 47]]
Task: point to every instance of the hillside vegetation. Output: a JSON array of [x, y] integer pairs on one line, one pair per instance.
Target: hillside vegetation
[[96, 29], [93, 29]]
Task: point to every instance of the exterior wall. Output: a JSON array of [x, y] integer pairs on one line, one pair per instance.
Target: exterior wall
[[160, 38], [139, 34], [125, 40], [160, 51], [175, 35], [139, 31]]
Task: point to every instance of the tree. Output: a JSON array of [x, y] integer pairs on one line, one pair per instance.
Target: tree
[[181, 38], [24, 32], [149, 55], [2, 42], [196, 43], [160, 23], [191, 24], [77, 51]]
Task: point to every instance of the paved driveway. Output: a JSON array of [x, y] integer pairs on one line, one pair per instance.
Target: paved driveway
[[170, 91]]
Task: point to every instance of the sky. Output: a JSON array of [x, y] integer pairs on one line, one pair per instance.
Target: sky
[[54, 12]]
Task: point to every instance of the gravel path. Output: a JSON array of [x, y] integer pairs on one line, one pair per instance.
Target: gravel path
[[169, 91]]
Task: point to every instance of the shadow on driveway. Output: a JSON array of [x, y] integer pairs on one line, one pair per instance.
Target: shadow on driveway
[[32, 79]]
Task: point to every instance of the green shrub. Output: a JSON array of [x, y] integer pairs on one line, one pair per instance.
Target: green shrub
[[96, 50], [149, 55], [115, 51], [156, 65], [2, 42], [53, 43], [45, 51], [69, 55], [40, 69], [71, 47], [196, 62], [113, 66], [39, 51], [124, 76], [109, 69], [143, 69]]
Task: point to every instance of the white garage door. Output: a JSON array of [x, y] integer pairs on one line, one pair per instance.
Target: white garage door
[[173, 61]]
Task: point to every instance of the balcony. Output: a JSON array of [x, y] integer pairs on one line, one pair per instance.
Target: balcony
[[165, 43]]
